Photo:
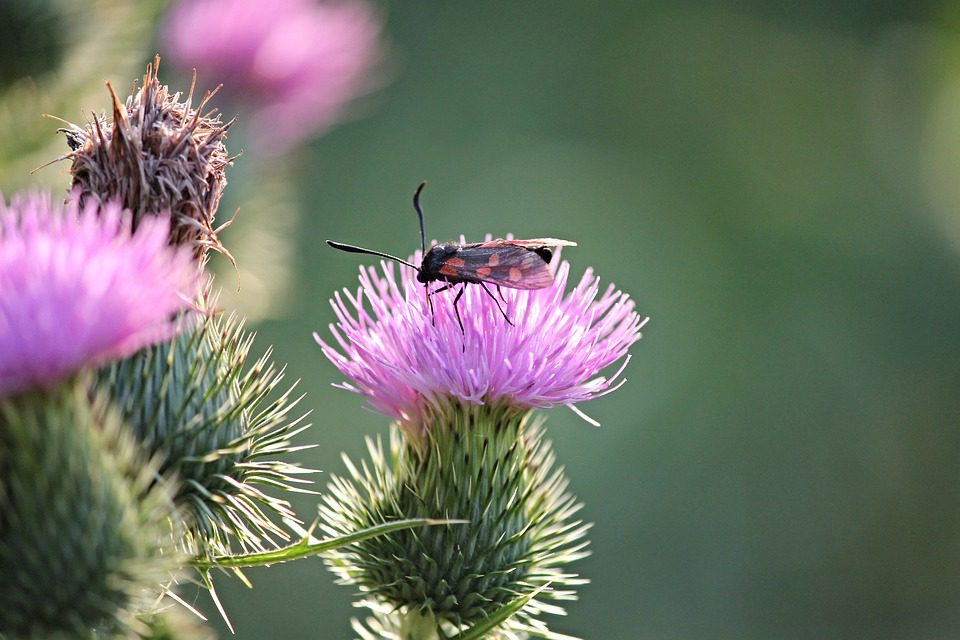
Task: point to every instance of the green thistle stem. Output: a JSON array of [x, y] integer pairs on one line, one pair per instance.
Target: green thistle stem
[[309, 546]]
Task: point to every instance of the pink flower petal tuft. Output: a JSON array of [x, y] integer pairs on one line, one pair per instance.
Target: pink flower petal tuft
[[77, 288], [385, 343], [296, 63]]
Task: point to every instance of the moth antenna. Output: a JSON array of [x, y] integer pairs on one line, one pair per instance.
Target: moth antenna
[[349, 248], [416, 205]]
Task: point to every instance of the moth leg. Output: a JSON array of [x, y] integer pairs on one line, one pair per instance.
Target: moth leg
[[505, 317], [500, 293], [433, 317], [456, 310], [426, 286], [443, 288]]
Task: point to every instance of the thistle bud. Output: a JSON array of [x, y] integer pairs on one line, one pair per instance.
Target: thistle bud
[[199, 403], [86, 525], [491, 468]]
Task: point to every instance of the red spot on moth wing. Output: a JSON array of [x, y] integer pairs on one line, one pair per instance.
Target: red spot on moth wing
[[454, 262], [448, 270], [484, 271], [493, 260], [520, 268]]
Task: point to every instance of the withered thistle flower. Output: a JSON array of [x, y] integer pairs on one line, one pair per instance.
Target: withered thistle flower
[[158, 153], [465, 444]]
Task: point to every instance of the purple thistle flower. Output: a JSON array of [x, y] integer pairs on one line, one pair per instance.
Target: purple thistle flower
[[409, 369], [297, 63], [77, 288]]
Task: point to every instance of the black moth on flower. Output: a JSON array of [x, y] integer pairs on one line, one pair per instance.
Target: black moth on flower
[[515, 264]]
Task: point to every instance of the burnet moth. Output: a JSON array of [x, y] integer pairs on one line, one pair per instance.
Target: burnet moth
[[515, 264]]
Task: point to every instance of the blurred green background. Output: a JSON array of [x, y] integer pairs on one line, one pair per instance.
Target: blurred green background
[[776, 184]]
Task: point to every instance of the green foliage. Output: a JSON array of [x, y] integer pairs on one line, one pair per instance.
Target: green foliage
[[75, 46], [308, 546], [32, 38], [217, 425], [86, 528], [488, 466]]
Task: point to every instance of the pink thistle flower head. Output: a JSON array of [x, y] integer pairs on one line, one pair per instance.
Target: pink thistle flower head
[[386, 343], [79, 288], [296, 63]]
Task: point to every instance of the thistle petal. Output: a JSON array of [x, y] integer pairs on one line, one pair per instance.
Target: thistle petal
[[386, 343], [78, 288]]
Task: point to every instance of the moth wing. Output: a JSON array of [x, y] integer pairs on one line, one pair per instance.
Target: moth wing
[[511, 266]]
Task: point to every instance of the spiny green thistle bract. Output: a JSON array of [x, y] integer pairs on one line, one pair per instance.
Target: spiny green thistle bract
[[87, 527], [158, 155], [465, 445], [214, 419], [489, 467]]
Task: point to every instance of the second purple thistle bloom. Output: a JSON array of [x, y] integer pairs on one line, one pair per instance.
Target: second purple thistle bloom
[[79, 288], [386, 343], [297, 64]]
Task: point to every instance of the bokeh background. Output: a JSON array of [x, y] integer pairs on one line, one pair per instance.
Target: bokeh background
[[776, 184]]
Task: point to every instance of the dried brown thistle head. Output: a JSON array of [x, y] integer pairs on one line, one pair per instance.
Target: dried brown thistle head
[[158, 155]]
